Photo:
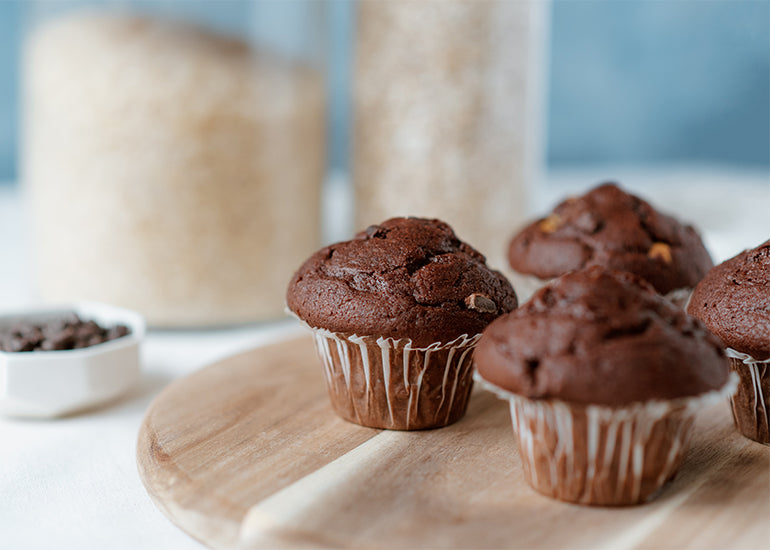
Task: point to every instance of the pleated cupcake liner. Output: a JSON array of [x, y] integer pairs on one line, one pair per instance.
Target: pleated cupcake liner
[[390, 383], [600, 455], [750, 401]]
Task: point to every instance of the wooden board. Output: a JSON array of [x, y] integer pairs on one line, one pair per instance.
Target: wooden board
[[247, 453]]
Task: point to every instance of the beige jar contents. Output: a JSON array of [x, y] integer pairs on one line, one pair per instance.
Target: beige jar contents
[[170, 170], [445, 115]]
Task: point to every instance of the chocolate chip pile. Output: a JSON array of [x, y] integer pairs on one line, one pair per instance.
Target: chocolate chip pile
[[60, 333]]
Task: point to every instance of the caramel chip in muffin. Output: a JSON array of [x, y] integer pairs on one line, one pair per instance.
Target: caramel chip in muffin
[[550, 224], [660, 251]]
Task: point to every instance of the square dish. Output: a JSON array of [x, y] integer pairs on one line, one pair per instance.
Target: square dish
[[47, 384]]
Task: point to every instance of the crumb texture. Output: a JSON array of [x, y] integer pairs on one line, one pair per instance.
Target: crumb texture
[[733, 301]]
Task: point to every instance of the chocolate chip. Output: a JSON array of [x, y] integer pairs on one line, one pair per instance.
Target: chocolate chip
[[375, 232], [65, 339], [97, 339], [481, 303], [59, 333], [20, 344]]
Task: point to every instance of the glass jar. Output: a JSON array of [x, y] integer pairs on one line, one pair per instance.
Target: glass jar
[[447, 114], [173, 153]]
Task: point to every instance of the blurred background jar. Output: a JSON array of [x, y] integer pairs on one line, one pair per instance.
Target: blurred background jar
[[174, 152], [447, 119]]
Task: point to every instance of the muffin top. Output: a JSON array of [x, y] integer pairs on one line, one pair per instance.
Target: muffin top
[[405, 278], [612, 228], [600, 337], [733, 301]]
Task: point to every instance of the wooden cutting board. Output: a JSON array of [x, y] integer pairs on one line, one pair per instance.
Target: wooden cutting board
[[247, 453]]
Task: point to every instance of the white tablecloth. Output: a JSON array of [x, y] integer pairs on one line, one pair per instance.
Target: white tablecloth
[[73, 483]]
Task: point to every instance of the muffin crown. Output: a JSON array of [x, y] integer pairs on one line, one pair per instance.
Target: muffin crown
[[600, 337], [405, 278], [614, 229], [733, 301]]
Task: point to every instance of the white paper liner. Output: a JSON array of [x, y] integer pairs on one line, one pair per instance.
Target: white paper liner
[[363, 383], [680, 297], [595, 454], [759, 429]]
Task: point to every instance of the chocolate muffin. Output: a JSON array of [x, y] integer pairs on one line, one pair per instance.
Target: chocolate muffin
[[614, 229], [604, 377], [733, 301], [396, 313]]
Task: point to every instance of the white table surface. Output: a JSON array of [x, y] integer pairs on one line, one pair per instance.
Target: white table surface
[[73, 483]]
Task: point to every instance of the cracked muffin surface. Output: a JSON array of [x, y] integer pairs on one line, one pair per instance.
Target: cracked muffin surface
[[600, 337], [404, 278], [733, 301], [614, 229]]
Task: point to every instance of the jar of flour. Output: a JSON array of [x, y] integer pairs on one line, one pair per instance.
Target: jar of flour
[[172, 166]]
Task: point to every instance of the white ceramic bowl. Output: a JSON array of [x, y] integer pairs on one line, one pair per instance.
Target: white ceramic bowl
[[46, 384]]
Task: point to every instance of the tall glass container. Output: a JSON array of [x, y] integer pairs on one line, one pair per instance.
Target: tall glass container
[[174, 153], [447, 113]]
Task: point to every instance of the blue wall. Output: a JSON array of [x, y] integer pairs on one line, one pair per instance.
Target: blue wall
[[660, 81], [630, 81], [10, 23]]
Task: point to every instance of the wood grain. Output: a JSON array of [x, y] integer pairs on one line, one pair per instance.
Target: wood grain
[[247, 453]]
